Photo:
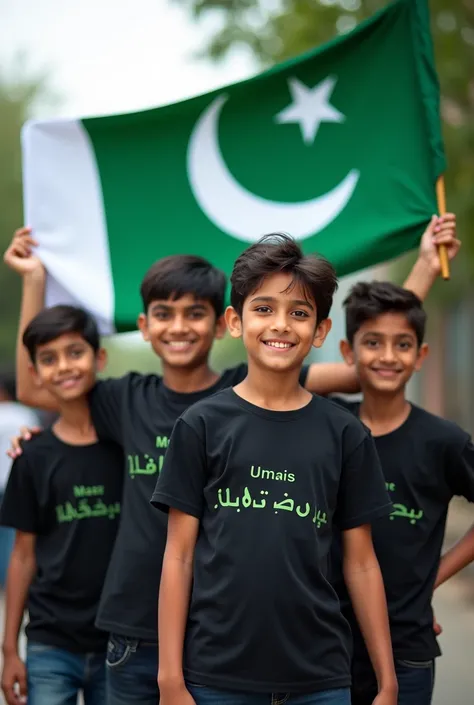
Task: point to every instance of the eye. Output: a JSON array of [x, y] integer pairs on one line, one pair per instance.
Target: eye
[[300, 314], [196, 315], [372, 344], [76, 352], [46, 360], [405, 345], [161, 315], [263, 309]]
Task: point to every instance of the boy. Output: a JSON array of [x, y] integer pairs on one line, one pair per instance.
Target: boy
[[426, 460], [63, 500], [255, 479], [183, 300]]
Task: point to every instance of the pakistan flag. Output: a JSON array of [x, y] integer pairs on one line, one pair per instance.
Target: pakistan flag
[[340, 148]]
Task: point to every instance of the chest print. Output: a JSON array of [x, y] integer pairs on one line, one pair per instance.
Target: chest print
[[277, 500], [88, 503], [401, 511]]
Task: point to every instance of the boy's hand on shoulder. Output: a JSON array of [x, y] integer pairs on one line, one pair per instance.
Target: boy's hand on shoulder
[[14, 682], [26, 434], [175, 694], [440, 231], [20, 258]]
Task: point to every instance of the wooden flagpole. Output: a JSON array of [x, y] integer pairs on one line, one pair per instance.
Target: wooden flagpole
[[443, 253]]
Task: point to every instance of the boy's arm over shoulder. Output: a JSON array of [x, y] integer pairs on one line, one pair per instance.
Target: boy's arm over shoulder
[[329, 378], [183, 476]]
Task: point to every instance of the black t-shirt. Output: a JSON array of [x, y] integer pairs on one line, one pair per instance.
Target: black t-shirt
[[70, 497], [268, 487], [426, 461], [139, 412]]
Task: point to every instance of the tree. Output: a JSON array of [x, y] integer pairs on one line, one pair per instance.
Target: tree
[[274, 32], [18, 95]]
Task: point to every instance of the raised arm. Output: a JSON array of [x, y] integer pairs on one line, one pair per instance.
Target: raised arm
[[173, 605], [365, 585], [427, 268], [21, 571], [20, 258]]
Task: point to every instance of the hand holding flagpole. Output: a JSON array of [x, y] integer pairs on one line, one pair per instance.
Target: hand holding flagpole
[[443, 253]]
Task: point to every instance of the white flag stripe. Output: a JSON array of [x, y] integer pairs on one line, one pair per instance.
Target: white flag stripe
[[64, 206]]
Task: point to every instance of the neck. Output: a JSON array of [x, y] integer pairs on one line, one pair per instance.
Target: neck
[[190, 380], [75, 421], [384, 413], [273, 390]]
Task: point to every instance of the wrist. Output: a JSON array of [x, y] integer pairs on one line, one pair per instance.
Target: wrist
[[168, 681], [10, 650], [36, 278]]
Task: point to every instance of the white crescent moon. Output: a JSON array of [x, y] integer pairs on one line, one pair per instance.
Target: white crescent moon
[[239, 212]]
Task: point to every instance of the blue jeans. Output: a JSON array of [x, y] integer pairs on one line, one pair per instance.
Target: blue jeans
[[132, 670], [415, 684], [7, 539], [56, 676], [211, 696]]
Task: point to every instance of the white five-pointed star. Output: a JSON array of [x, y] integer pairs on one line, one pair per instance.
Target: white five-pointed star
[[310, 107]]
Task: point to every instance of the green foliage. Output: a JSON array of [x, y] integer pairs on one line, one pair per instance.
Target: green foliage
[[275, 30], [17, 97]]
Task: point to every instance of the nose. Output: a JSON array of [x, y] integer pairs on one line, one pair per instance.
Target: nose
[[63, 363], [388, 354], [280, 321], [178, 324]]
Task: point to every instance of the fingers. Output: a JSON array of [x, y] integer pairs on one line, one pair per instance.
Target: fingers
[[15, 449], [9, 693], [23, 685]]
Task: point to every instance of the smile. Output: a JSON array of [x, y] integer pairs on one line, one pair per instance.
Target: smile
[[179, 344], [279, 344]]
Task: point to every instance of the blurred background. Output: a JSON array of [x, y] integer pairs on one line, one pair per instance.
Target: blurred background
[[99, 57]]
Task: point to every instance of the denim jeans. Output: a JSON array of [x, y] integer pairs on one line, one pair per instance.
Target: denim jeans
[[7, 539], [210, 696], [415, 684], [56, 676], [132, 670]]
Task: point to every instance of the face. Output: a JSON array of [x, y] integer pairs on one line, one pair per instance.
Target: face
[[67, 366], [181, 332], [278, 326], [385, 352]]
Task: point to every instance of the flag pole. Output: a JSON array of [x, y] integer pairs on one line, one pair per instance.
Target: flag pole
[[441, 199]]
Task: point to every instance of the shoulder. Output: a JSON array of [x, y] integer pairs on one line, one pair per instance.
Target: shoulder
[[120, 387], [434, 430], [205, 411], [349, 403], [233, 375], [339, 421]]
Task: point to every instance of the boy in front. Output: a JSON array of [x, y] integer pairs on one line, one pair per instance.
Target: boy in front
[[255, 479], [426, 460], [63, 499]]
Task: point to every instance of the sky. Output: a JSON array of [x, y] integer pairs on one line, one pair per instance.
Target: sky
[[106, 56]]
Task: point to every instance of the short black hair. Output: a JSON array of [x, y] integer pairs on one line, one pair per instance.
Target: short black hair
[[177, 275], [369, 300], [278, 252], [55, 321]]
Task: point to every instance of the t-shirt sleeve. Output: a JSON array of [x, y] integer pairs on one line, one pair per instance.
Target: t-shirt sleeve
[[362, 496], [20, 505], [304, 375], [461, 471], [183, 476], [105, 401]]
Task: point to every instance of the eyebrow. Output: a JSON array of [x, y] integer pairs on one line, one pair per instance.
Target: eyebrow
[[272, 299], [167, 307], [377, 334]]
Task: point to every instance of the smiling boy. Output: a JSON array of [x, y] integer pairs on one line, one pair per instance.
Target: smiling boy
[[256, 478]]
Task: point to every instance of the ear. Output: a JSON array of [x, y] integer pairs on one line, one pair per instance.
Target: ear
[[347, 352], [422, 355], [142, 323], [101, 360], [234, 322], [322, 330], [221, 327], [34, 373]]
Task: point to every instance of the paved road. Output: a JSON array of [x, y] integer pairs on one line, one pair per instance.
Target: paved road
[[454, 606]]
